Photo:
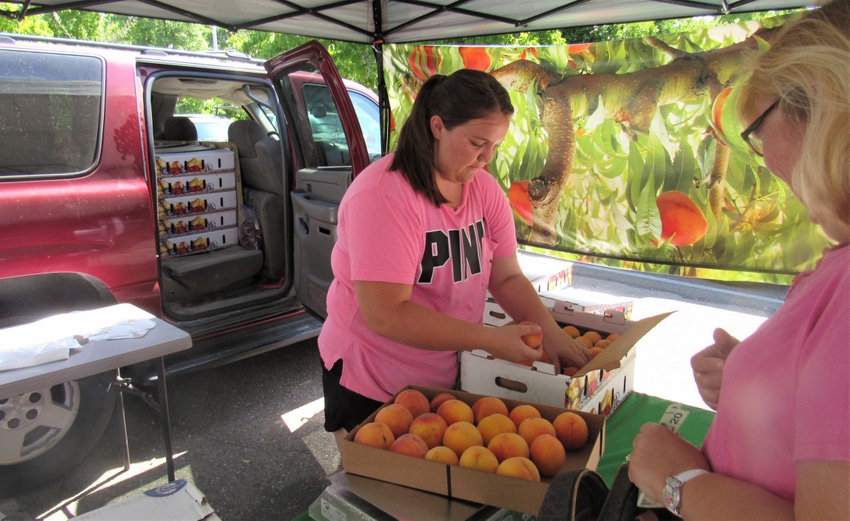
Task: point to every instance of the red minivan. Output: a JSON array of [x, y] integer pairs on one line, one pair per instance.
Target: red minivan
[[108, 195]]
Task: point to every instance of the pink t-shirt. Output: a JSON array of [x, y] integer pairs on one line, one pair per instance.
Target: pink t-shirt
[[389, 233], [786, 388]]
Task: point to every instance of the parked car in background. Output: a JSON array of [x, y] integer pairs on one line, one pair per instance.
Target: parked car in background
[[108, 194]]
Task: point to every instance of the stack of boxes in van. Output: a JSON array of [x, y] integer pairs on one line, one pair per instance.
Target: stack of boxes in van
[[198, 196]]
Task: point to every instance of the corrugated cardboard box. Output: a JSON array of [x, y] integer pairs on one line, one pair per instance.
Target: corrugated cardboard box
[[186, 159], [545, 273], [590, 301], [463, 483], [178, 500], [480, 373]]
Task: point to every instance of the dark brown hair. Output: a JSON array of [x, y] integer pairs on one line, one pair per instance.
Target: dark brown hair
[[458, 98]]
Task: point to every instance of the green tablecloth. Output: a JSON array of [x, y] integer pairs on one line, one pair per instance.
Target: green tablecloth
[[623, 425]]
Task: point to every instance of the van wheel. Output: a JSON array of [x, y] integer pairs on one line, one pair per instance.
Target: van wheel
[[47, 432]]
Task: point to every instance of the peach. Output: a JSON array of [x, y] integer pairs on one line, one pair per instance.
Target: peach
[[410, 444], [461, 435], [519, 467], [593, 336], [548, 453], [521, 412], [375, 434], [534, 427], [583, 340], [521, 202], [534, 339], [442, 454], [612, 336], [507, 445], [414, 400], [495, 424], [486, 406], [682, 221], [479, 458], [570, 371], [572, 331], [397, 417], [603, 343], [455, 410], [594, 351], [439, 399], [430, 427], [571, 429]]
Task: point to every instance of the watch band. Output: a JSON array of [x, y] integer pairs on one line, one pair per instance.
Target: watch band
[[673, 489]]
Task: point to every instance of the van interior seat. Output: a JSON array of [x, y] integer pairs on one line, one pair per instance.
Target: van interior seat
[[179, 128], [261, 167]]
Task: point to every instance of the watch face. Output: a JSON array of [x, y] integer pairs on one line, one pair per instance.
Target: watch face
[[672, 495]]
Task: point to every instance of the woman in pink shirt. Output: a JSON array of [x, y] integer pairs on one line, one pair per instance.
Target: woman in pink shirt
[[779, 446], [423, 234]]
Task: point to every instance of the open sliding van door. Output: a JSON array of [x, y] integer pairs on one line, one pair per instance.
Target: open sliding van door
[[329, 152]]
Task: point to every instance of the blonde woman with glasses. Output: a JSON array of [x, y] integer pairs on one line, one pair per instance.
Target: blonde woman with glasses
[[779, 446]]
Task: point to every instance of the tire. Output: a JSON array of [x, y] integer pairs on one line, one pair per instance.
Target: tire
[[46, 433]]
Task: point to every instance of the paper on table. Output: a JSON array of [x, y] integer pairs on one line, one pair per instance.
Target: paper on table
[[55, 338]]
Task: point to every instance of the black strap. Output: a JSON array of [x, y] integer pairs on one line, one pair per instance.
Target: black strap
[[574, 495]]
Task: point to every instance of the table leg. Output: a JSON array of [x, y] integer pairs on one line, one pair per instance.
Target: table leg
[[165, 420]]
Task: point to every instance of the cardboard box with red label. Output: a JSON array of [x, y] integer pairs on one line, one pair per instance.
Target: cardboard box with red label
[[599, 386]]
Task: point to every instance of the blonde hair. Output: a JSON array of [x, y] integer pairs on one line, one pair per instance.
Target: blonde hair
[[807, 68]]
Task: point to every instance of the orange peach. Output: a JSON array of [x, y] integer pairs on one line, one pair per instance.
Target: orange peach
[[519, 467], [593, 336], [612, 336], [583, 340], [571, 429], [486, 406], [479, 458], [531, 428], [410, 444], [507, 445], [572, 331], [397, 417], [603, 343], [430, 427], [534, 339], [521, 412], [414, 400], [375, 434], [595, 351], [442, 454], [438, 400], [461, 435], [569, 371], [682, 222], [455, 410], [495, 424], [548, 453]]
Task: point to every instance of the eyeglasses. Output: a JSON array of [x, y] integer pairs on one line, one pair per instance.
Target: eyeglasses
[[747, 135]]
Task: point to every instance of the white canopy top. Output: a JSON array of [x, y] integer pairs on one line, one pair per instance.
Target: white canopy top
[[399, 21]]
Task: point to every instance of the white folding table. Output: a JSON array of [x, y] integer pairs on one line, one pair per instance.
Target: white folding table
[[99, 356]]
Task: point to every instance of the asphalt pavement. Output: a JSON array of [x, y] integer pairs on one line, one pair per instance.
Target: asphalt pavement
[[249, 435]]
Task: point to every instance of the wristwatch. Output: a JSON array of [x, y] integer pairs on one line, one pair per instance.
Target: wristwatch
[[673, 489]]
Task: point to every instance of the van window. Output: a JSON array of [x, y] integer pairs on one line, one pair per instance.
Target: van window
[[326, 125], [50, 112]]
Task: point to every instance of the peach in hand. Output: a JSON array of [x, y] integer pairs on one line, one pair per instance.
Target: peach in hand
[[532, 340]]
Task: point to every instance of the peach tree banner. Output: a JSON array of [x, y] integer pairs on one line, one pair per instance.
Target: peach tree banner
[[630, 151]]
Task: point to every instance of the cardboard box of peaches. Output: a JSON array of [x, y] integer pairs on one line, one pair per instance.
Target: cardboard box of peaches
[[598, 387], [506, 471]]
